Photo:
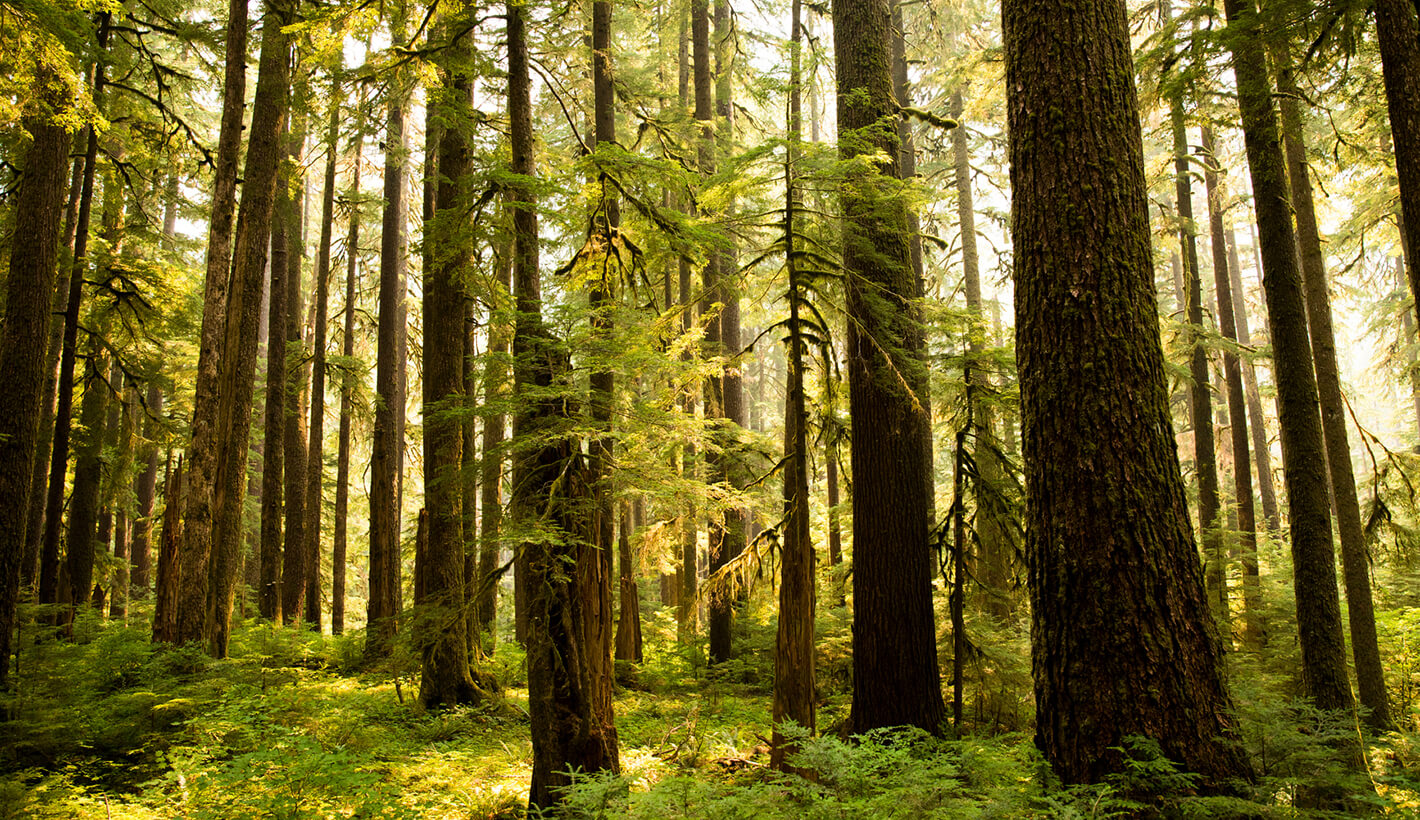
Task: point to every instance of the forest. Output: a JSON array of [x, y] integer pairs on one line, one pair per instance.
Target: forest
[[709, 409]]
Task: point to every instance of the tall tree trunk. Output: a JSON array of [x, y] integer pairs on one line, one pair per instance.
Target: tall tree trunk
[[1237, 413], [315, 446], [794, 636], [293, 436], [1201, 395], [387, 453], [1370, 677], [895, 673], [49, 592], [1123, 639], [347, 395], [445, 679], [39, 475], [907, 169], [565, 733], [197, 508], [238, 355], [29, 293], [273, 464], [1303, 454], [686, 615], [727, 537]]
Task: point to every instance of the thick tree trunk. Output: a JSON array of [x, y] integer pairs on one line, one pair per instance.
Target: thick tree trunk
[[1123, 642], [197, 511], [293, 436], [445, 679], [273, 465], [469, 483], [39, 481], [387, 453], [238, 355], [565, 733], [1237, 413], [29, 293], [1303, 454], [895, 672], [1370, 677]]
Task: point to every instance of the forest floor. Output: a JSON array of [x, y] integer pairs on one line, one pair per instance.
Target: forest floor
[[107, 726]]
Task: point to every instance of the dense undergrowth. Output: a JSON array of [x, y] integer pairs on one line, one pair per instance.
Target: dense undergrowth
[[292, 726]]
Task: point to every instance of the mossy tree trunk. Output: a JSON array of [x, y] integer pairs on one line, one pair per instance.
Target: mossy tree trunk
[[895, 672]]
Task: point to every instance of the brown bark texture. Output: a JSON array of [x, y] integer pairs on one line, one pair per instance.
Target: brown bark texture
[[1123, 642], [895, 674]]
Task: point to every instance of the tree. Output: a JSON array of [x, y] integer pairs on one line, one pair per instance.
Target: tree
[[1303, 453], [387, 456], [445, 678], [1237, 410], [192, 563], [1370, 679], [238, 355], [29, 286], [347, 395], [565, 733], [1398, 34], [895, 672], [1123, 642], [794, 637]]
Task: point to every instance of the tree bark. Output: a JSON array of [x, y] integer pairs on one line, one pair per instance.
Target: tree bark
[[29, 293], [165, 592], [1370, 677], [445, 678], [192, 565], [895, 673], [565, 733], [238, 356], [273, 465], [495, 390], [794, 636], [293, 436], [347, 395], [1303, 455], [628, 624], [387, 453], [145, 491], [1398, 34], [81, 536], [1123, 642], [49, 581]]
